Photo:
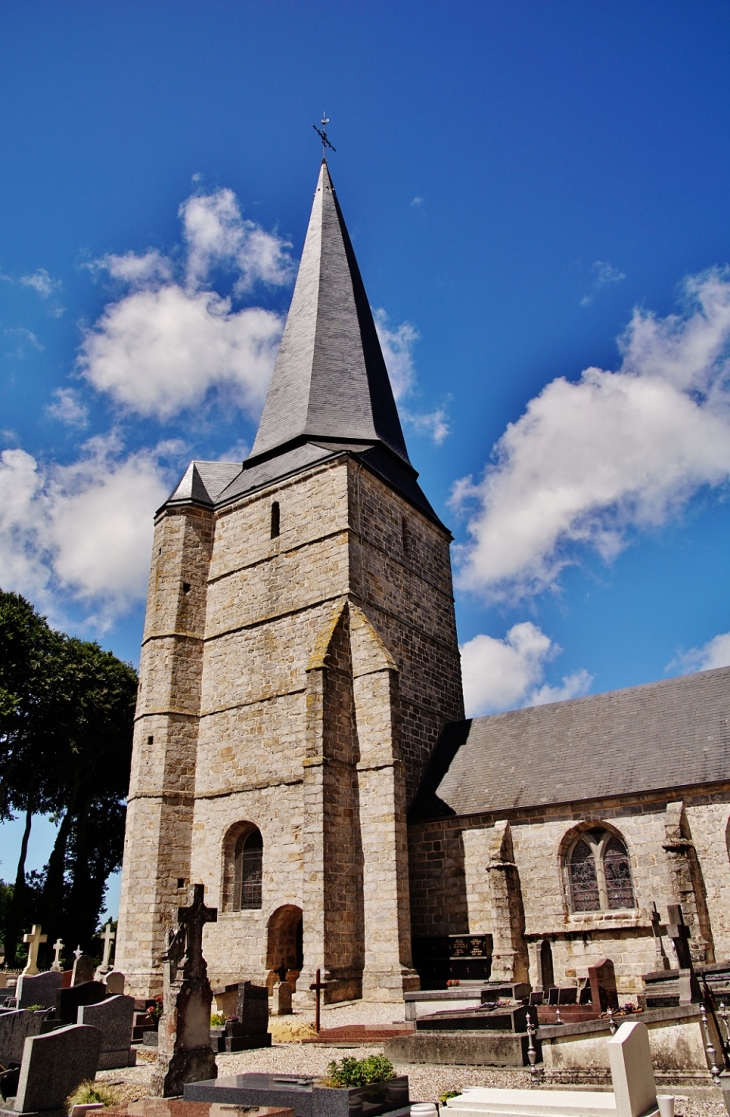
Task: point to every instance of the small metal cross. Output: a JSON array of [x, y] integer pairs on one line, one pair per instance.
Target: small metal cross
[[323, 135]]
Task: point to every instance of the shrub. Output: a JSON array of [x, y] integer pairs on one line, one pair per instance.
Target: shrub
[[217, 1019], [92, 1092], [443, 1098], [359, 1072]]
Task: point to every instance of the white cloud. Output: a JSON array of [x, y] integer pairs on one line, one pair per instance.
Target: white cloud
[[504, 674], [148, 269], [218, 236], [68, 408], [397, 346], [166, 345], [715, 653], [603, 275], [42, 282], [617, 451], [23, 342], [158, 352], [435, 424], [83, 528]]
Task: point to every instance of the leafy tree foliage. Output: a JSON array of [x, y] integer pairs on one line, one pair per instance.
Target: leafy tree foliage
[[66, 717]]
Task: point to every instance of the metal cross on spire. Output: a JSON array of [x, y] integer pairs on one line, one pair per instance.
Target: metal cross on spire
[[321, 132]]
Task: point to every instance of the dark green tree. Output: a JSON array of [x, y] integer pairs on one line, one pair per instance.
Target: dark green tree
[[66, 719]]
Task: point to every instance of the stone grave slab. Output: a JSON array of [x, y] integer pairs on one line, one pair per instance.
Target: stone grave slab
[[505, 991], [602, 985], [304, 1094], [176, 1107], [38, 989], [71, 1000], [633, 1095], [281, 999], [53, 1066], [427, 1001], [251, 1028], [475, 1049], [114, 981], [15, 1027], [83, 970], [113, 1017], [505, 1018]]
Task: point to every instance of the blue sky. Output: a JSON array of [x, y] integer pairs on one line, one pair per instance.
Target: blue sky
[[533, 190]]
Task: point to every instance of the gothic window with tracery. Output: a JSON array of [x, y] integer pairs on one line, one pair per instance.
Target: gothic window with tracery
[[599, 873], [249, 855]]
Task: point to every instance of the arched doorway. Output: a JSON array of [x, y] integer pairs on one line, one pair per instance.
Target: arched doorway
[[284, 945]]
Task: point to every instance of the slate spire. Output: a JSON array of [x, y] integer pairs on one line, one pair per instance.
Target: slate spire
[[330, 382]]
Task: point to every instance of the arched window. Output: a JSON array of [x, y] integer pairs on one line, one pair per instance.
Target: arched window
[[248, 860], [599, 874]]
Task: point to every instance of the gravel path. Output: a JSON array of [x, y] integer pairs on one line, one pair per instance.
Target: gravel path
[[427, 1081]]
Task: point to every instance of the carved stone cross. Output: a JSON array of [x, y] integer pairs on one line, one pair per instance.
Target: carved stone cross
[[193, 918], [57, 948], [108, 938], [680, 935], [34, 940]]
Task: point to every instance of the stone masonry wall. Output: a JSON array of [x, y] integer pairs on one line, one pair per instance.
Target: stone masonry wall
[[450, 891]]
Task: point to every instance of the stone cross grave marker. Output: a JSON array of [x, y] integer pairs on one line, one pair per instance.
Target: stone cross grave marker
[[108, 937], [680, 935], [57, 948], [662, 962], [184, 1053], [34, 940]]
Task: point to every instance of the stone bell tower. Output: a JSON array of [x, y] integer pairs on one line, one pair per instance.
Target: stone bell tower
[[299, 661]]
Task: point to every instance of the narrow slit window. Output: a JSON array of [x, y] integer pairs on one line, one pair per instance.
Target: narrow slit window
[[275, 519]]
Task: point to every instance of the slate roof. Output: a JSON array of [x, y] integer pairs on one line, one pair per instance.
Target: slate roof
[[665, 735], [330, 380], [330, 391]]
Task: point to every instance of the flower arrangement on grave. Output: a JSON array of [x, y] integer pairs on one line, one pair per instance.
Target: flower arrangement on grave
[[217, 1019], [452, 981], [154, 1011], [350, 1072], [89, 1093], [443, 1098]]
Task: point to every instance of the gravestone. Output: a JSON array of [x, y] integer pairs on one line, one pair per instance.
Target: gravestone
[[602, 984], [305, 1095], [252, 1027], [15, 1027], [114, 982], [183, 1047], [38, 989], [57, 948], [108, 938], [631, 1070], [113, 1017], [34, 940], [281, 999], [634, 1092], [470, 957], [54, 1065], [71, 1000], [83, 970]]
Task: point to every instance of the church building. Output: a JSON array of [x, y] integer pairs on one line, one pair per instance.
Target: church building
[[300, 743]]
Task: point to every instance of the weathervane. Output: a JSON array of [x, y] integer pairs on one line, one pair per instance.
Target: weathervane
[[323, 135]]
